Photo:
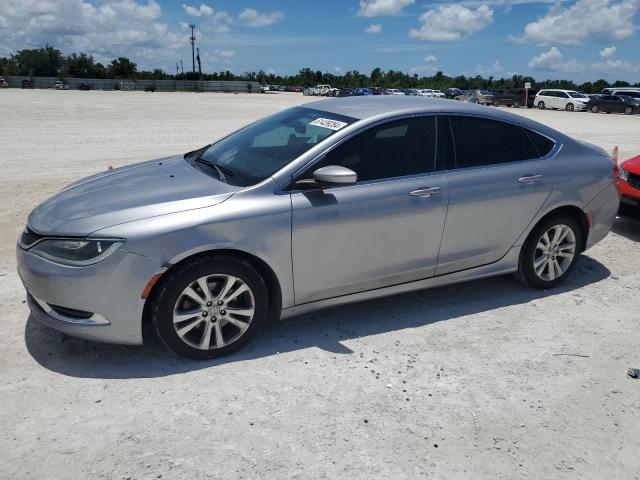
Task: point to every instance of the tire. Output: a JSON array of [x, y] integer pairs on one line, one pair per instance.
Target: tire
[[516, 104], [569, 107], [628, 111], [206, 320], [535, 267], [541, 105], [594, 109]]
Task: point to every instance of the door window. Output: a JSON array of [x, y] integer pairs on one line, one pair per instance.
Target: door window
[[479, 142], [394, 149]]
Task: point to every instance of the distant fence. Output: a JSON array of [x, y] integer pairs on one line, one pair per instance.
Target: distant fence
[[160, 85]]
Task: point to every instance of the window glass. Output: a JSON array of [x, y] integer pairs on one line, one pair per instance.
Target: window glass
[[541, 144], [480, 141], [394, 149], [252, 154]]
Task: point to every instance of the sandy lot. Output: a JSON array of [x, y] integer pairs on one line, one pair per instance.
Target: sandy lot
[[482, 380]]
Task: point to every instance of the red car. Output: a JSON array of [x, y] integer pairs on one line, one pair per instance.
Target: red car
[[630, 181]]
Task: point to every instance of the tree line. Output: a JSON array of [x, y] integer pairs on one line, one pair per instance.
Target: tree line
[[50, 62]]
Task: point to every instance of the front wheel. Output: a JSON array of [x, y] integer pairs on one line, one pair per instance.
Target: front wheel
[[628, 111], [210, 306], [541, 105], [550, 252], [594, 109], [569, 107]]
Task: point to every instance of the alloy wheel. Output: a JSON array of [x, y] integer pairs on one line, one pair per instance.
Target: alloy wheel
[[554, 252], [214, 311]]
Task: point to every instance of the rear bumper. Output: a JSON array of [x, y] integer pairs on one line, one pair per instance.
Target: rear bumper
[[109, 292], [603, 210]]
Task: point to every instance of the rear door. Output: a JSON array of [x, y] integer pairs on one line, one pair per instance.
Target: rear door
[[497, 184]]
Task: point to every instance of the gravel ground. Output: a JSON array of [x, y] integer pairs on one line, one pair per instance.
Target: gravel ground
[[487, 379]]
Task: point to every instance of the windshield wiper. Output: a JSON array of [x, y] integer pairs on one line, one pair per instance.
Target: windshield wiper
[[222, 171]]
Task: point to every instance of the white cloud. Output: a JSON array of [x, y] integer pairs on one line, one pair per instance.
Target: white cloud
[[494, 69], [337, 69], [382, 8], [612, 67], [607, 52], [452, 22], [598, 19], [215, 21], [105, 29], [374, 28], [553, 61], [197, 11], [430, 58], [253, 18]]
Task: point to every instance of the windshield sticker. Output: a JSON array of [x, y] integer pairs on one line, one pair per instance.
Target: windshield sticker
[[328, 123]]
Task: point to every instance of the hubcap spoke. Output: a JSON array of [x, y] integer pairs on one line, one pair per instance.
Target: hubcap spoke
[[238, 323], [242, 312], [205, 340], [567, 246], [243, 288], [541, 266], [229, 283], [187, 328], [179, 317], [219, 337], [193, 295], [204, 286]]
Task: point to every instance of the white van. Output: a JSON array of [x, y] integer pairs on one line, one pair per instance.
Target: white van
[[569, 100]]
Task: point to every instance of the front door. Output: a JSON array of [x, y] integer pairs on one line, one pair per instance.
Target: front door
[[384, 230]]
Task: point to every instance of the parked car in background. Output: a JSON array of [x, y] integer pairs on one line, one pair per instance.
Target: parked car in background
[[393, 91], [515, 97], [3, 83], [614, 104], [482, 97], [321, 89], [633, 92], [346, 92], [150, 88], [363, 92], [85, 86], [630, 182], [269, 221], [428, 92], [569, 100], [452, 93], [60, 85], [27, 83]]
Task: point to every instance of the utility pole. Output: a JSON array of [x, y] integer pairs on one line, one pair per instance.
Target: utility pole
[[193, 54], [199, 63], [177, 71], [181, 67]]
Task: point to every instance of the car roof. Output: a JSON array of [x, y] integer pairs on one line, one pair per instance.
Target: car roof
[[374, 107]]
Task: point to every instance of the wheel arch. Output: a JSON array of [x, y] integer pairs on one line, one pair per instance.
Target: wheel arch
[[574, 211], [274, 290]]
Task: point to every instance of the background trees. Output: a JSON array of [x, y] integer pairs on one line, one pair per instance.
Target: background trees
[[49, 62]]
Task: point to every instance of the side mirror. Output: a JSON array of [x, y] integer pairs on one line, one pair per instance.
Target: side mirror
[[335, 175]]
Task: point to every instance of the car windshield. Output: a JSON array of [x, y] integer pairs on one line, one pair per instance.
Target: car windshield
[[256, 152], [577, 95]]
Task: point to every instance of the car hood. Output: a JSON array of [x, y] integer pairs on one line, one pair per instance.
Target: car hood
[[134, 192], [632, 165]]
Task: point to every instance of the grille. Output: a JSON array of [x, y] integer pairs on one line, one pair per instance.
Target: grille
[[634, 180], [29, 237]]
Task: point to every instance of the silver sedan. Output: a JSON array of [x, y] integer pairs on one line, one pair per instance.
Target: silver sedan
[[333, 202]]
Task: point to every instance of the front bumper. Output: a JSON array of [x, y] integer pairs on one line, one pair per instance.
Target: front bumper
[[629, 194], [109, 290]]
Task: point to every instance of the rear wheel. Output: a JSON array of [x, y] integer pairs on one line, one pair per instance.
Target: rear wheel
[[516, 104], [210, 307], [550, 251], [569, 107], [541, 105], [628, 111], [594, 109]]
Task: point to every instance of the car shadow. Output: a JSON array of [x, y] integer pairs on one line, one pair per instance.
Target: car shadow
[[325, 329], [627, 224]]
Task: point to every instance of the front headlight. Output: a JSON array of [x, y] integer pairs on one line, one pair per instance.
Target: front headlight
[[76, 252], [624, 174]]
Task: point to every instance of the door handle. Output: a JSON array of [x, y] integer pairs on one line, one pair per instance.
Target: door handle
[[426, 192], [530, 178]]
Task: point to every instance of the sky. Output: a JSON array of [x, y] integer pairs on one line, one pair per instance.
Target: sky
[[579, 40]]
